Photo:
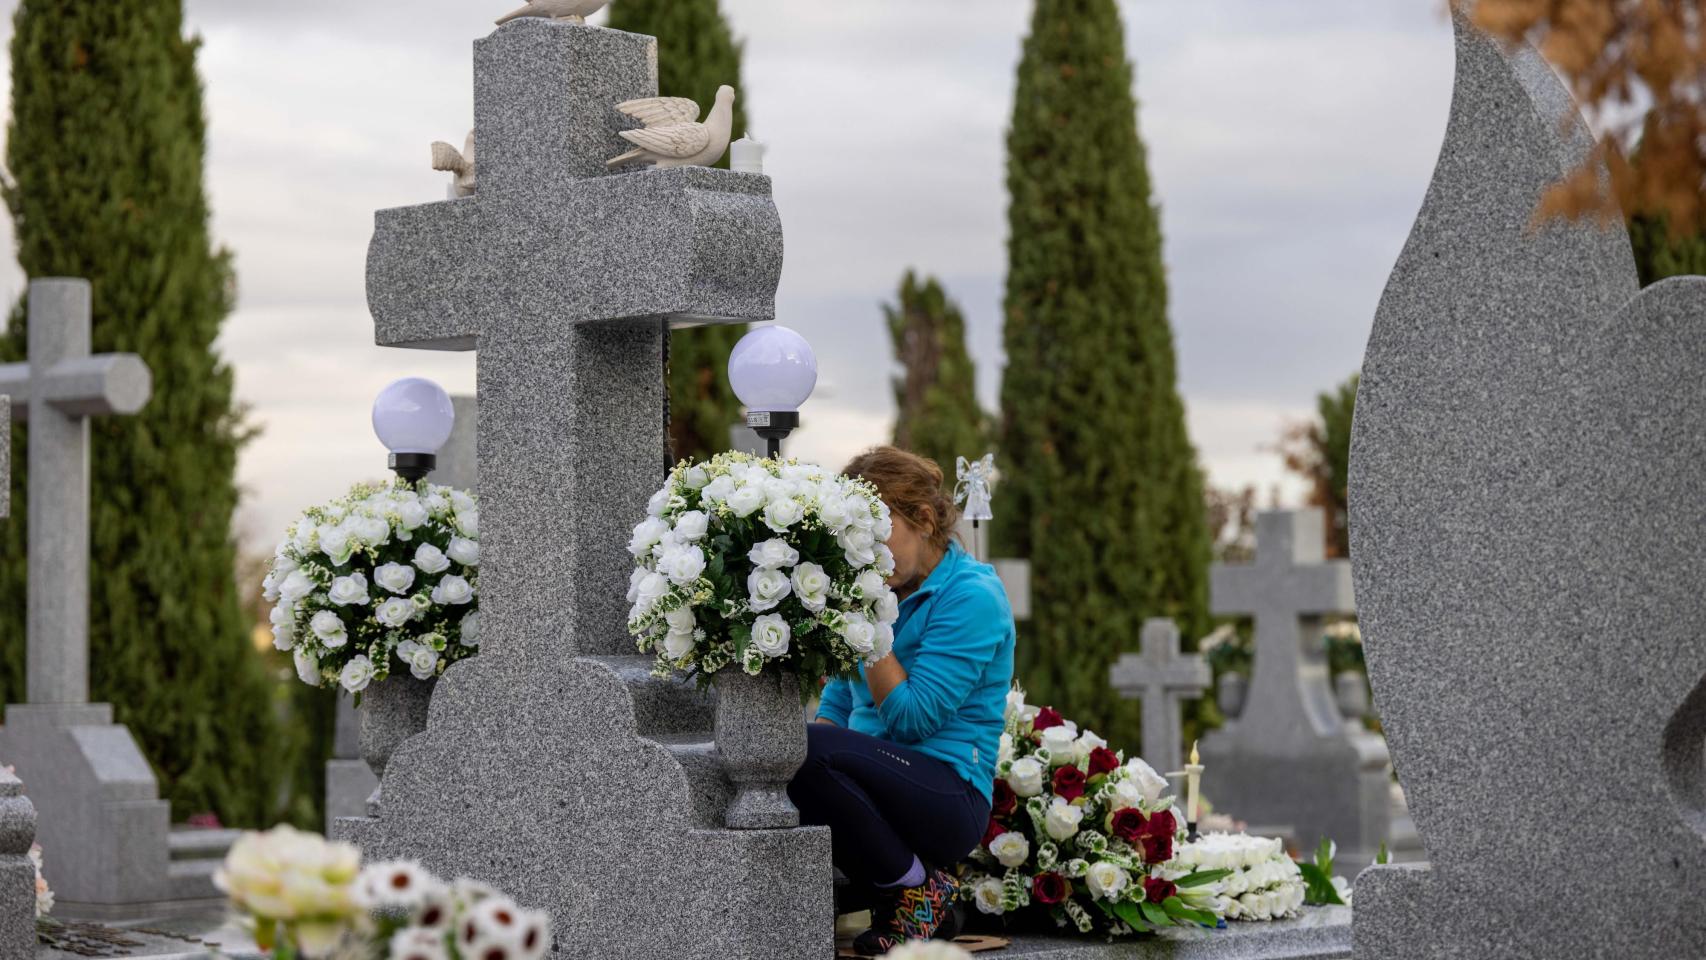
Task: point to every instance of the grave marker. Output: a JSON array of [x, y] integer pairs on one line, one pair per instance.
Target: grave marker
[[1162, 677]]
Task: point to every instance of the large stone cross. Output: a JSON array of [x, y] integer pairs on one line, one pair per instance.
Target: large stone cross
[[1290, 760], [1162, 677], [60, 387]]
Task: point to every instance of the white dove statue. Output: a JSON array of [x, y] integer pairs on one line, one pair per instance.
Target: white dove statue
[[461, 163], [673, 136], [574, 11]]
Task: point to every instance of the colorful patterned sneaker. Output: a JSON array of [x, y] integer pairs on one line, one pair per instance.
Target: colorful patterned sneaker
[[912, 913]]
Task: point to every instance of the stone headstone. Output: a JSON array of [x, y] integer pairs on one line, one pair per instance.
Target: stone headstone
[[1162, 677], [100, 809], [553, 765], [17, 873], [1290, 758], [1525, 492]]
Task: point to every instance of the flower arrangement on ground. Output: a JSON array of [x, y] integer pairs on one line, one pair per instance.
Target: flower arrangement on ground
[[1084, 834], [758, 563], [302, 896], [1264, 883], [389, 570]]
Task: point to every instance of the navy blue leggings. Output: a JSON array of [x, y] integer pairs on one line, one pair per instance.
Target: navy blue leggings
[[884, 804]]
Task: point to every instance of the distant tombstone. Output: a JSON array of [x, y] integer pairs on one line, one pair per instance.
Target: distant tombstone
[[1162, 677], [1290, 758], [17, 872], [1525, 492]]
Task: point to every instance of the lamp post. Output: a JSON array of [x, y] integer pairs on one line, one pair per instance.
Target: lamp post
[[773, 371], [413, 418]]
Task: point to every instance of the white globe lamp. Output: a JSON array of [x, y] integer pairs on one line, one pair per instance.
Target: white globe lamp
[[773, 371], [413, 418]]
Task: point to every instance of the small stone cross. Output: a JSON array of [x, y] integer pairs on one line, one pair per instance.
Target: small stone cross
[[1162, 677], [56, 392]]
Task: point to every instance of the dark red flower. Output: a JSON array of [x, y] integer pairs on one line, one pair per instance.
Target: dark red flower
[[1046, 717], [996, 829], [1069, 783], [1006, 801], [1127, 824], [1157, 837], [1103, 760], [1156, 889], [1051, 888]]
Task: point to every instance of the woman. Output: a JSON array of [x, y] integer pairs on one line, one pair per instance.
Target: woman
[[901, 761]]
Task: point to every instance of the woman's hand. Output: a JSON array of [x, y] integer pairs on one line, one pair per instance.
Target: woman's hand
[[882, 677]]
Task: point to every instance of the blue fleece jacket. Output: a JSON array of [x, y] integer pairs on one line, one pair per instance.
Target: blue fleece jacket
[[955, 640]]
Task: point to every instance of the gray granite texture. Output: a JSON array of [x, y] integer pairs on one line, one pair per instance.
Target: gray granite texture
[[392, 711], [1319, 933], [1289, 758], [1525, 493], [553, 765], [760, 731], [17, 873], [1163, 677]]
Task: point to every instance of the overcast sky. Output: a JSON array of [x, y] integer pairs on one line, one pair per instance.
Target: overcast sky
[[1290, 142]]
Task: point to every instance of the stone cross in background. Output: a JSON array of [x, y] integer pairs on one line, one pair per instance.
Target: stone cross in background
[[1163, 677], [1290, 760], [554, 766], [1526, 488], [349, 781]]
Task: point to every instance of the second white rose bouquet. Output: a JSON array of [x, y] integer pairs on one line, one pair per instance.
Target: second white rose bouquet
[[390, 570], [756, 562]]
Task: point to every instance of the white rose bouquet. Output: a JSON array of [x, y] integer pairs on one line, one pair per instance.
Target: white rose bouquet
[[1084, 835], [754, 562], [1264, 883], [390, 570]]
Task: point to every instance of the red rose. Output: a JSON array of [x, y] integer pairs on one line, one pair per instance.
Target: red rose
[[1069, 783], [1156, 889], [1046, 717], [1157, 837], [1128, 825], [1006, 801], [1103, 760], [996, 829], [1051, 888]]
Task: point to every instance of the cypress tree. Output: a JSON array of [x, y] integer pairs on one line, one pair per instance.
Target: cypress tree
[[937, 415], [1658, 254], [1100, 489], [105, 152], [697, 53], [1320, 452]]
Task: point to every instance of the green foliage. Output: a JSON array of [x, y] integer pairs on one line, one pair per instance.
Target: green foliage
[[697, 53], [1659, 255], [1320, 452], [1101, 489], [936, 393], [105, 152], [1319, 877]]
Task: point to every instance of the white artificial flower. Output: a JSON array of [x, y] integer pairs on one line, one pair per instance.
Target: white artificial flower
[[436, 503], [335, 543], [718, 490], [836, 512], [634, 578], [1015, 703], [395, 577], [888, 606], [770, 635], [399, 885], [683, 565], [329, 627], [460, 500], [430, 559], [773, 553], [417, 943], [470, 629], [651, 588], [422, 659], [307, 666], [858, 546], [986, 893], [452, 590], [1004, 753], [695, 478], [1011, 848], [677, 645], [1058, 741], [295, 586], [681, 620], [1127, 793], [412, 514], [646, 535], [885, 559], [1150, 784], [1087, 742], [349, 590], [655, 506], [779, 515], [811, 585], [1106, 880], [395, 612], [369, 530], [1026, 777], [357, 674], [1063, 819], [269, 587], [869, 584], [692, 525], [283, 563], [464, 551], [859, 632], [283, 627], [746, 500], [885, 643], [766, 587]]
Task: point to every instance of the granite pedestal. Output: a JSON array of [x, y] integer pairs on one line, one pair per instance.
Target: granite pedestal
[[1525, 496]]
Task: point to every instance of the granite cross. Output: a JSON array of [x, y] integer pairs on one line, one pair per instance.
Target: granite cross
[[1162, 677], [56, 392]]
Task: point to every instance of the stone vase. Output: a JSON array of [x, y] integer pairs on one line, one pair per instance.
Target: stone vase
[[761, 737], [392, 710], [1231, 691]]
